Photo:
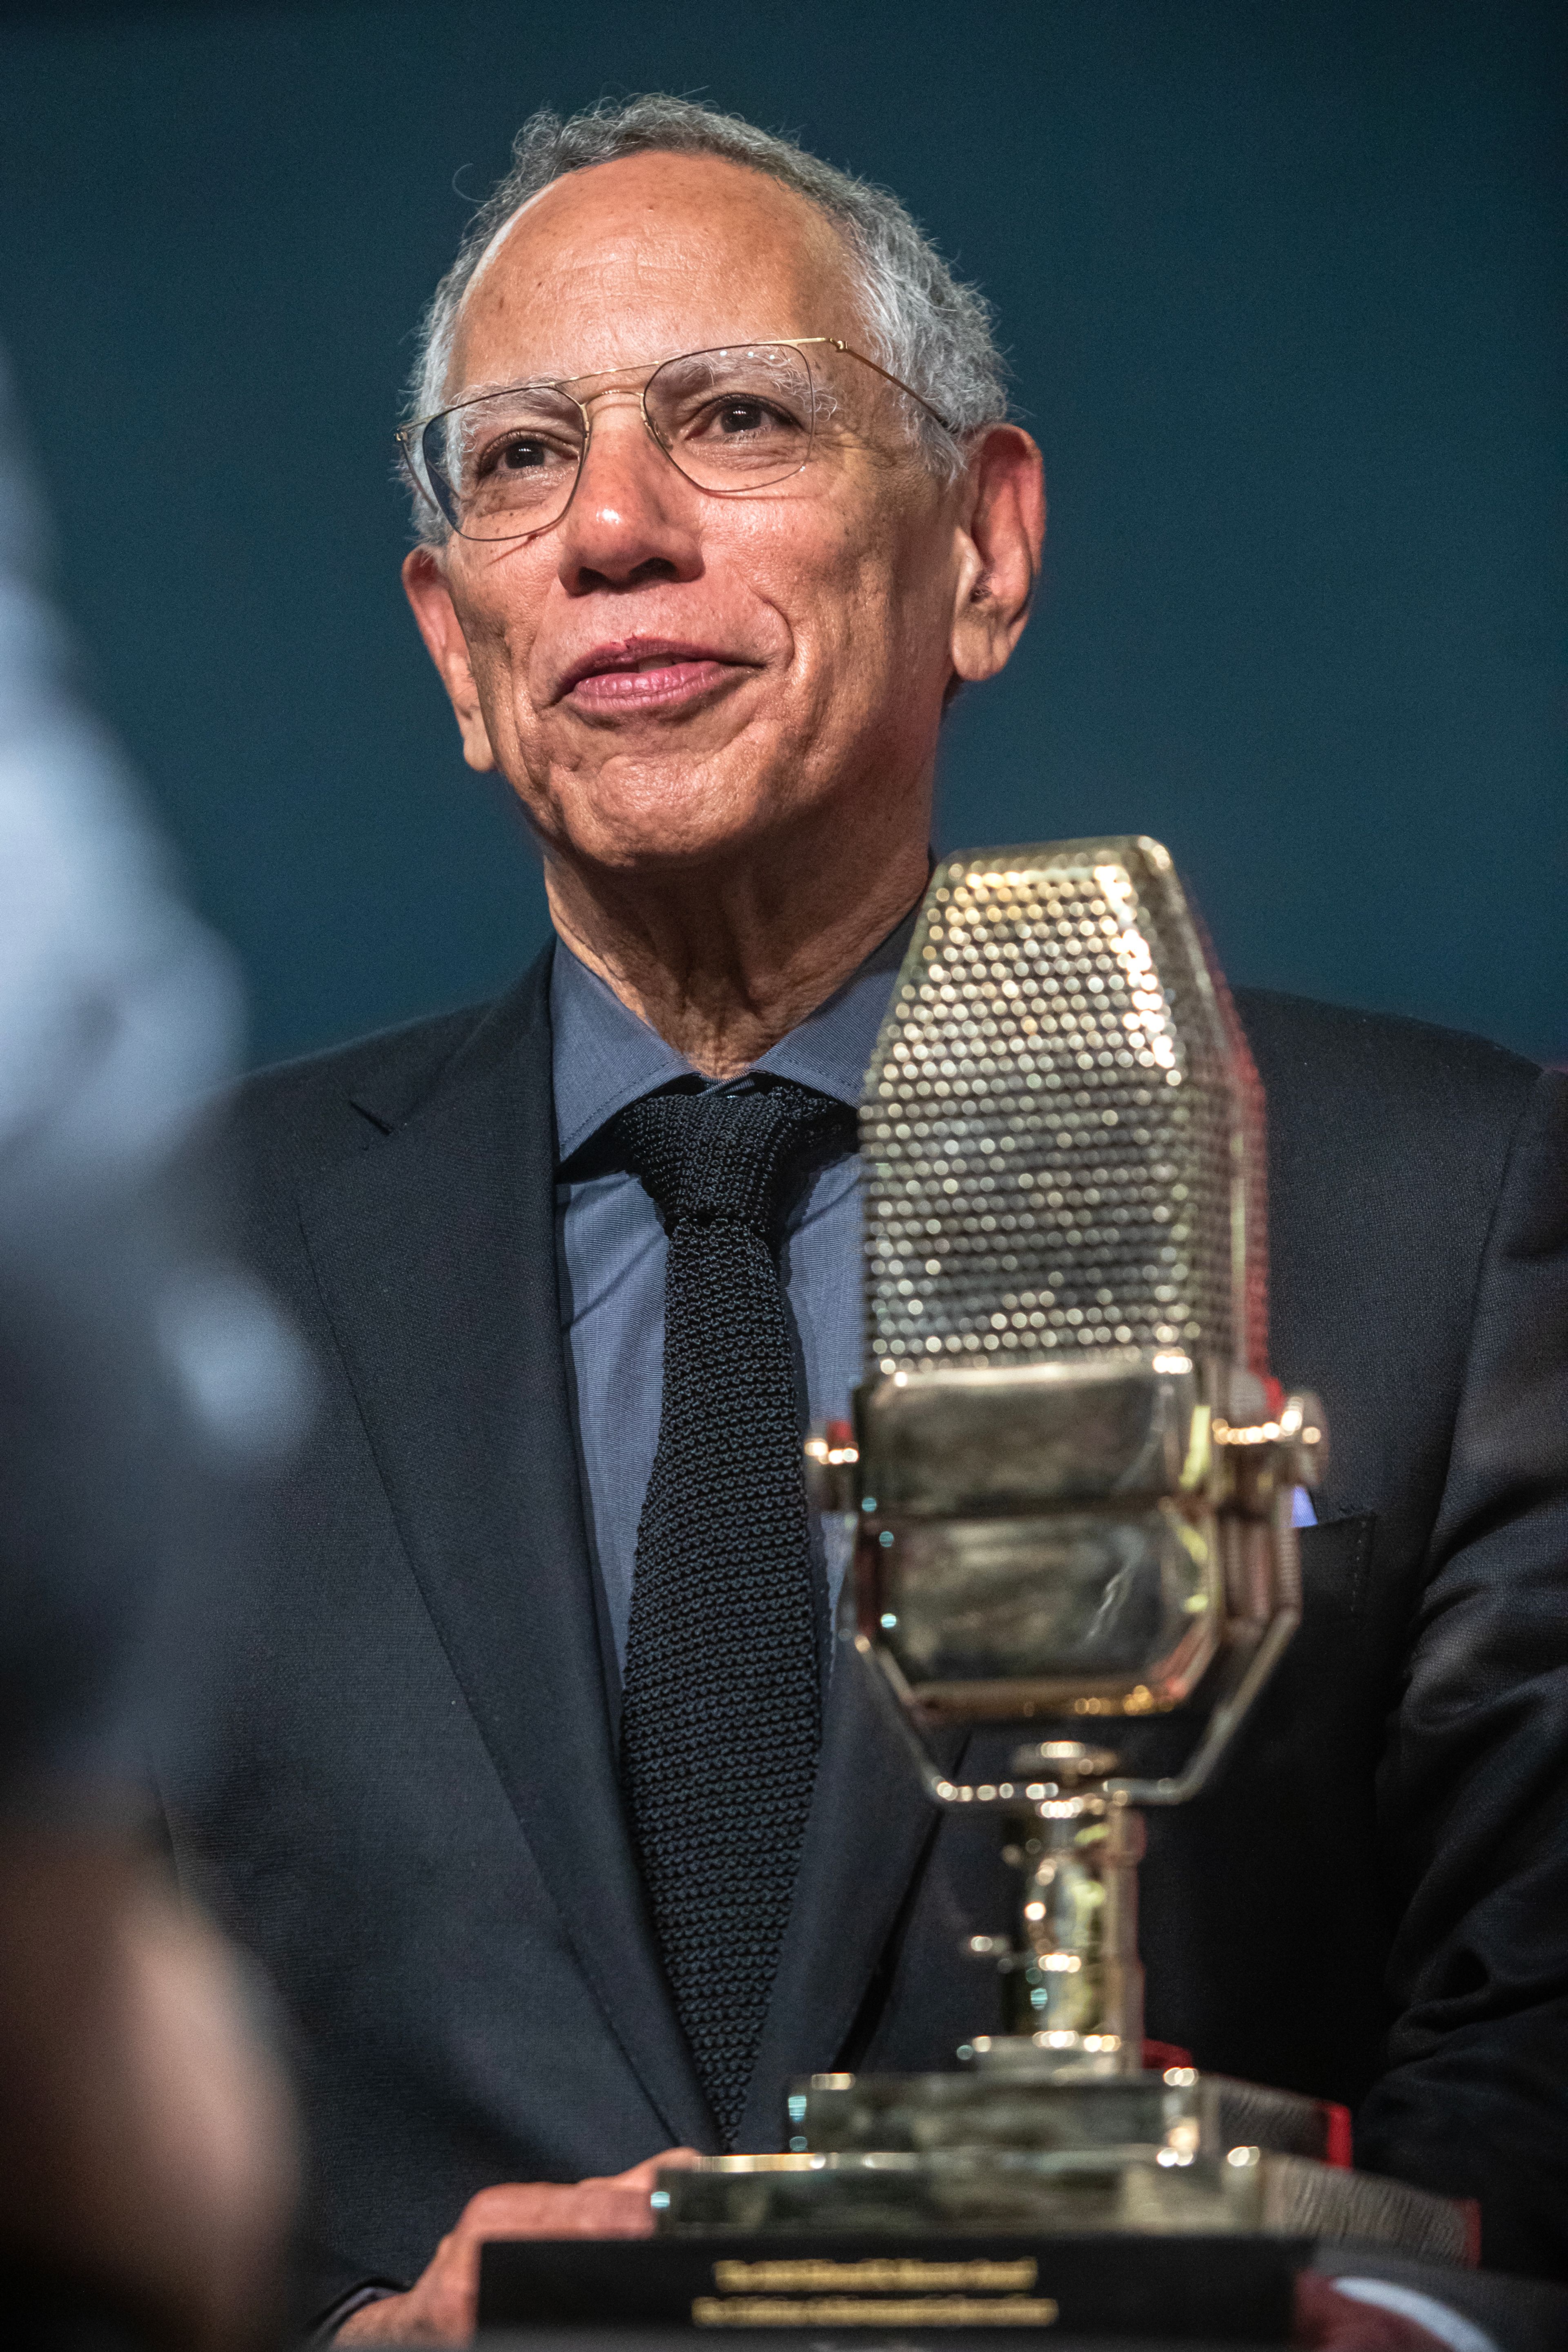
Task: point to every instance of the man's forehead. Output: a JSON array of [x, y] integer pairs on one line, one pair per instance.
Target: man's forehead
[[648, 254]]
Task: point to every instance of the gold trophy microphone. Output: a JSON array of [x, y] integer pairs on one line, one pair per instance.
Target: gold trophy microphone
[[1071, 1479]]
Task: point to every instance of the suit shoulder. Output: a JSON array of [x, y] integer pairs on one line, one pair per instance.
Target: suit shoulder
[[326, 1104], [1318, 1057], [1386, 1136]]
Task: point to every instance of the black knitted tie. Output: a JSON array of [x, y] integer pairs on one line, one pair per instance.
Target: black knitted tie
[[721, 1712]]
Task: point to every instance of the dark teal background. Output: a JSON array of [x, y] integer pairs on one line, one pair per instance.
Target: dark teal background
[[1282, 287]]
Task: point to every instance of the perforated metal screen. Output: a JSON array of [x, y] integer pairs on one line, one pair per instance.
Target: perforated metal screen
[[1062, 1128]]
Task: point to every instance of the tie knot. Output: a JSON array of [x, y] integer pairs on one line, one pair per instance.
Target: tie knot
[[727, 1154]]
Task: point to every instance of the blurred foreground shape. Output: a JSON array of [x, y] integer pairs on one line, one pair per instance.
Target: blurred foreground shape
[[146, 2170]]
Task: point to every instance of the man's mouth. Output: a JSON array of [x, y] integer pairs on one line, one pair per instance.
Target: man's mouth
[[644, 674]]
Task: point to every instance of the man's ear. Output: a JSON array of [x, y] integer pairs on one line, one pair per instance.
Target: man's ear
[[425, 585], [1000, 542]]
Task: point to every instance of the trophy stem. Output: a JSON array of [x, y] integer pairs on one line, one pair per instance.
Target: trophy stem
[[1073, 1983]]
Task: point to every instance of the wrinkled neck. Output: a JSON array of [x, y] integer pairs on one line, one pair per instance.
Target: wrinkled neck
[[724, 964]]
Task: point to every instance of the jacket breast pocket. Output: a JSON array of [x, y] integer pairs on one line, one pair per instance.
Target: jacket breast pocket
[[1336, 1567]]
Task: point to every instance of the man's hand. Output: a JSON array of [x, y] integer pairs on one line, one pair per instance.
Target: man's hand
[[440, 2307]]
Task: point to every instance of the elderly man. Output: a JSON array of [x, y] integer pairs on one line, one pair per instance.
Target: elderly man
[[531, 1778]]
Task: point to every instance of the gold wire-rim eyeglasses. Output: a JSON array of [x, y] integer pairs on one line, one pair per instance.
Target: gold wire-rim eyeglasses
[[415, 429]]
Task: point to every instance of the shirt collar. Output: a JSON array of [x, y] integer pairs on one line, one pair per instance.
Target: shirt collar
[[604, 1057]]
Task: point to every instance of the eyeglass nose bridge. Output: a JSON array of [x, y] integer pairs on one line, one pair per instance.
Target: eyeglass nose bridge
[[584, 410]]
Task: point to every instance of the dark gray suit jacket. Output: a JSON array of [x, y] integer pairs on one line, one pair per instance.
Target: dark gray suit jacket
[[402, 1790]]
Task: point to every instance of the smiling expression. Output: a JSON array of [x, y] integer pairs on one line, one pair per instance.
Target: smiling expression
[[665, 676]]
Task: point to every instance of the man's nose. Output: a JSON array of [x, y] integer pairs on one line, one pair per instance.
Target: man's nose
[[633, 517]]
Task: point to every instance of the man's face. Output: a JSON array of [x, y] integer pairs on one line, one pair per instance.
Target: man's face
[[668, 678]]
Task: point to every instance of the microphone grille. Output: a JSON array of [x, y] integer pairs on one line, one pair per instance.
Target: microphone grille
[[1062, 1128]]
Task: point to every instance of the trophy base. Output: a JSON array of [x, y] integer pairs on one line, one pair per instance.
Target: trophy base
[[1049, 2153], [849, 2291]]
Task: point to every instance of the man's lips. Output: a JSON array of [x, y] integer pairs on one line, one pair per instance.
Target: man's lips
[[645, 673]]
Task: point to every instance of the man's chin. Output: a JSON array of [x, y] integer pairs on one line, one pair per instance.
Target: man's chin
[[650, 840], [673, 811]]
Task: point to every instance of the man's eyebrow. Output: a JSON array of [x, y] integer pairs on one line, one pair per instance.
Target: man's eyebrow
[[826, 399], [539, 380], [653, 361], [500, 384]]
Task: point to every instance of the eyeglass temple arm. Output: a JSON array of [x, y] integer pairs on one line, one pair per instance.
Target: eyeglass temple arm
[[838, 344]]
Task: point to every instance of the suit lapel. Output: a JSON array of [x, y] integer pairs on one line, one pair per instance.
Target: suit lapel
[[869, 1828], [434, 1251]]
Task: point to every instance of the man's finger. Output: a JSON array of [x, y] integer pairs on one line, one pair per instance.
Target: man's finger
[[611, 2208], [644, 2175], [601, 2208]]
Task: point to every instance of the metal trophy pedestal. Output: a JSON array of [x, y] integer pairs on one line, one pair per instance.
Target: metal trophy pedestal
[[1071, 1481], [1052, 2131]]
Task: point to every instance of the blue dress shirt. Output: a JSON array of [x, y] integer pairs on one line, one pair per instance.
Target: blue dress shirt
[[610, 1243]]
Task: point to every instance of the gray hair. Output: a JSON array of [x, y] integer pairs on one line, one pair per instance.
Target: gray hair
[[922, 323]]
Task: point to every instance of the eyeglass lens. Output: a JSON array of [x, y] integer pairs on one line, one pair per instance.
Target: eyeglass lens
[[506, 465]]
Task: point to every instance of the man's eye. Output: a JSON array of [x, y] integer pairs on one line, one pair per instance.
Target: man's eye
[[518, 457], [745, 417], [510, 460], [746, 420]]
